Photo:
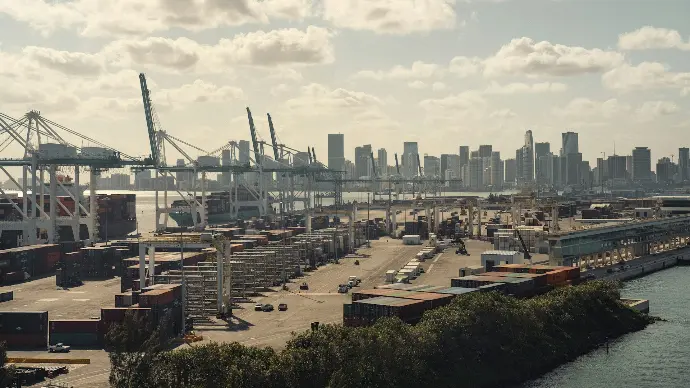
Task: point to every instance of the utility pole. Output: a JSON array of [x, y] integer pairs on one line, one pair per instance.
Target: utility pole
[[367, 224]]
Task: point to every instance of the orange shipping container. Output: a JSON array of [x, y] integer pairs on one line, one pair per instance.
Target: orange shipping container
[[156, 297]]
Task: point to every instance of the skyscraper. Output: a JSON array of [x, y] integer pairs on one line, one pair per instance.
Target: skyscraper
[[464, 153], [496, 171], [528, 158], [485, 151], [641, 164], [509, 168], [432, 166], [409, 158], [570, 143], [363, 160], [225, 176], [519, 178], [336, 151], [382, 162], [540, 149], [683, 161]]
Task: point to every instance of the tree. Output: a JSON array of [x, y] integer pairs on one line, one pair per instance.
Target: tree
[[6, 373], [134, 346]]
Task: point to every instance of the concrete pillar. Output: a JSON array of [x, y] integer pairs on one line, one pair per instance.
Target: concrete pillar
[[142, 266], [152, 264]]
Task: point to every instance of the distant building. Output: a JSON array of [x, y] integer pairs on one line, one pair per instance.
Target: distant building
[[432, 166], [336, 151], [497, 171], [382, 162], [509, 168], [464, 153], [485, 151], [540, 150], [683, 162], [665, 170], [641, 164]]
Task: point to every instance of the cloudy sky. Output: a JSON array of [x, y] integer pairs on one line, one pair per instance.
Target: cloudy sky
[[441, 72]]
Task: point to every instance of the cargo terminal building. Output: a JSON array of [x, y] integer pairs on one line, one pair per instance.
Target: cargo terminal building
[[625, 241]]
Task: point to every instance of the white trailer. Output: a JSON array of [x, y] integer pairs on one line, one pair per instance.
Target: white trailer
[[412, 239]]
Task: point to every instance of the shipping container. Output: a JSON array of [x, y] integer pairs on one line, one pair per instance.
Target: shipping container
[[74, 326], [6, 296], [76, 339], [156, 297], [123, 299], [117, 314], [407, 310], [26, 322], [24, 341], [456, 291]]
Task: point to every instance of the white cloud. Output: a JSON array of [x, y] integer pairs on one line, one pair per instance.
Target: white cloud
[[518, 87], [645, 76], [416, 84], [69, 63], [439, 86], [652, 109], [288, 46], [525, 56], [464, 66], [649, 37], [279, 89], [198, 92], [592, 109], [503, 114], [466, 105], [317, 99], [391, 16], [418, 70], [135, 17]]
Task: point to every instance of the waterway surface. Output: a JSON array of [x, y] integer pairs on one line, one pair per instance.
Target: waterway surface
[[655, 357]]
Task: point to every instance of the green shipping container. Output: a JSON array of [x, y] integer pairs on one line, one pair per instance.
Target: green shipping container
[[75, 339]]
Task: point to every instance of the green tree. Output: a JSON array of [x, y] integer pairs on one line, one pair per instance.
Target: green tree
[[134, 348]]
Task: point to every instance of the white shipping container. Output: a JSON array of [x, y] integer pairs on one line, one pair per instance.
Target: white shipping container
[[96, 153], [390, 275], [501, 257], [412, 239]]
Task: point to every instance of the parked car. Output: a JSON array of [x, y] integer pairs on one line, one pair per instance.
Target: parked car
[[258, 307], [304, 286], [58, 348], [282, 307], [267, 307]]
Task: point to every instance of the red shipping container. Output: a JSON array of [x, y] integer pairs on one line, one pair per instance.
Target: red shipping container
[[19, 341], [117, 314], [156, 297], [75, 326]]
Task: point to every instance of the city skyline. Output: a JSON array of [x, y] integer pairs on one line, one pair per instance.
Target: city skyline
[[441, 73]]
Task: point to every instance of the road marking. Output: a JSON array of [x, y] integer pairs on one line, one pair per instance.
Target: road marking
[[81, 300], [48, 300], [437, 257], [430, 267]]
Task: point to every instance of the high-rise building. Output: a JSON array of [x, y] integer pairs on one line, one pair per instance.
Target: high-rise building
[[641, 164], [585, 173], [143, 181], [570, 143], [336, 151], [382, 160], [509, 168], [616, 167], [665, 169], [363, 161], [519, 178], [528, 158], [601, 173], [629, 166], [540, 150], [683, 162], [225, 176], [410, 157], [464, 154], [432, 166], [243, 156], [573, 162], [476, 175], [497, 171], [485, 151]]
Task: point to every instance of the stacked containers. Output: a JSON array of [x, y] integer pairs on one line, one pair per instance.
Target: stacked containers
[[165, 301], [366, 312], [35, 260], [97, 262], [81, 332], [24, 329]]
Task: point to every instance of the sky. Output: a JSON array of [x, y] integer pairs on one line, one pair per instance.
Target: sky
[[443, 73]]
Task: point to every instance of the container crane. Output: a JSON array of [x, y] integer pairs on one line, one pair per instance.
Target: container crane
[[528, 257]]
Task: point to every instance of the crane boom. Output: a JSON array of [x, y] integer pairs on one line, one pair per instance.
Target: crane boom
[[373, 165], [153, 139], [313, 155], [309, 155], [252, 131], [273, 137], [419, 165], [397, 166], [528, 257]]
